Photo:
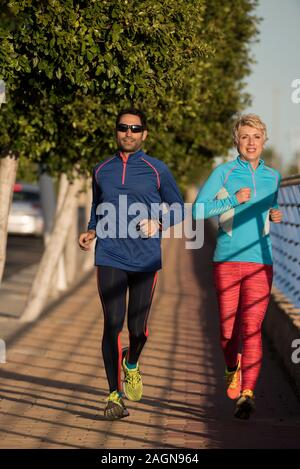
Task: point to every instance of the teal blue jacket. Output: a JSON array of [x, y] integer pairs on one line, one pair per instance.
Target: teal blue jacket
[[243, 233]]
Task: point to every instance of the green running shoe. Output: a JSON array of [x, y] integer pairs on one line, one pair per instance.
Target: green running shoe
[[133, 385], [115, 407]]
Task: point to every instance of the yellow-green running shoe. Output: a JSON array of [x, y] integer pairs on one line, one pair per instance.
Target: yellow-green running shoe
[[115, 407], [233, 381], [133, 385]]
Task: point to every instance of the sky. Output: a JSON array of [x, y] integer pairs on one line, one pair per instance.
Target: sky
[[278, 64]]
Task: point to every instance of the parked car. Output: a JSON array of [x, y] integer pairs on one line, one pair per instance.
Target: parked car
[[26, 216]]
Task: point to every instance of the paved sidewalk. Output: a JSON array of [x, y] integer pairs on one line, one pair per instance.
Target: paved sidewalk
[[53, 386]]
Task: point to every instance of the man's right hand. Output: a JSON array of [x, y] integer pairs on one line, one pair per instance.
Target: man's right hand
[[85, 240], [243, 195]]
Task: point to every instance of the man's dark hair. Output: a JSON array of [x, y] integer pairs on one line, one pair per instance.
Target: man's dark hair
[[134, 112]]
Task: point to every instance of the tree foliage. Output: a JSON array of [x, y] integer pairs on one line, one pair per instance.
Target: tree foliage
[[69, 66]]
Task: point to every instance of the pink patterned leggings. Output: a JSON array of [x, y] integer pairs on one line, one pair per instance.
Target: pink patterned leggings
[[243, 291]]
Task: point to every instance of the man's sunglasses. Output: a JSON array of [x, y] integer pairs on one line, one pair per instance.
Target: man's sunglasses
[[135, 129]]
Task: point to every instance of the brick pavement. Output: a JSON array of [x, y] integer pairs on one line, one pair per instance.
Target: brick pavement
[[53, 386]]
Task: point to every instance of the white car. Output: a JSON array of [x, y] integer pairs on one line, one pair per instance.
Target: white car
[[26, 216]]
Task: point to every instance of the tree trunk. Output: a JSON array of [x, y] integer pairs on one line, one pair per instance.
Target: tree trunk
[[71, 248], [40, 289], [8, 171], [59, 280], [48, 201], [89, 255]]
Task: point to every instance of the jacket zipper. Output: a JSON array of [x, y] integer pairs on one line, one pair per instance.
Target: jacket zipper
[[254, 183], [124, 159], [253, 180]]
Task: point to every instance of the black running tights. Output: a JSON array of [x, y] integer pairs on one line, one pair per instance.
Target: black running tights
[[113, 284]]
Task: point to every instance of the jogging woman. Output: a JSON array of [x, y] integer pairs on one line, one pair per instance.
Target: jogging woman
[[243, 193]]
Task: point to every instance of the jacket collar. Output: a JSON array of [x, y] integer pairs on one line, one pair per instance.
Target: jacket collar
[[132, 156], [246, 164]]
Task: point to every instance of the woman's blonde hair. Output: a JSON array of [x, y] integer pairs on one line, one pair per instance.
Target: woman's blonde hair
[[253, 120]]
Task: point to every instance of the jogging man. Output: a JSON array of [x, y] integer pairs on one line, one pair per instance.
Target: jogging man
[[128, 261], [243, 193]]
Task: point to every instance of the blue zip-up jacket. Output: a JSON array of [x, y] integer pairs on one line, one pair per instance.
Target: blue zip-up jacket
[[243, 233], [139, 179]]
